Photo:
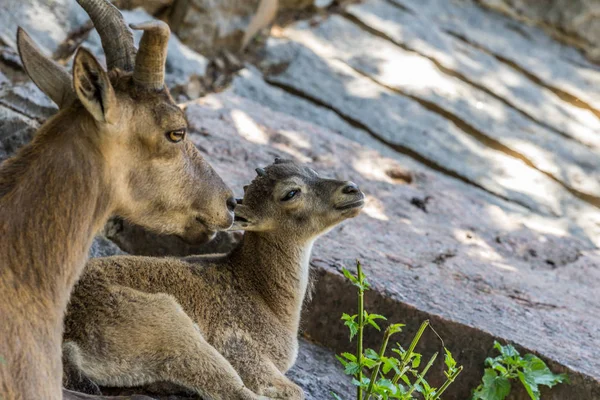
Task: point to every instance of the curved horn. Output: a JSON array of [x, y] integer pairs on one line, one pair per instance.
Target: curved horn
[[150, 61], [48, 76], [261, 172], [117, 39]]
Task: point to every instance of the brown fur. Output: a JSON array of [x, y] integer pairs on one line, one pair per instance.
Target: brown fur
[[105, 154], [226, 326]]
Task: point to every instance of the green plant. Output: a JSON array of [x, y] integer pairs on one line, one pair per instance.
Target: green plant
[[530, 370], [379, 375]]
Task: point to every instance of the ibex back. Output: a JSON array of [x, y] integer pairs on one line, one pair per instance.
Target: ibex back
[[117, 146], [225, 327]]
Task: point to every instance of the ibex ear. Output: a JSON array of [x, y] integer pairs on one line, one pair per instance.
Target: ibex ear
[[93, 87], [48, 76], [245, 219]]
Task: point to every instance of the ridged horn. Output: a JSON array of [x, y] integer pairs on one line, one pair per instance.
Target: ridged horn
[[48, 76], [117, 39], [149, 71]]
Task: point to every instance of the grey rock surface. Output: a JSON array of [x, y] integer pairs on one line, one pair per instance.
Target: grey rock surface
[[415, 31], [48, 22], [22, 109], [318, 372], [102, 247], [210, 26], [574, 21], [554, 64], [476, 112]]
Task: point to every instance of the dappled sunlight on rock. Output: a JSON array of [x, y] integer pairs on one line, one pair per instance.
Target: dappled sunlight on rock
[[365, 91], [375, 209], [504, 267], [498, 217], [295, 138], [295, 153], [370, 168], [477, 246], [248, 128]]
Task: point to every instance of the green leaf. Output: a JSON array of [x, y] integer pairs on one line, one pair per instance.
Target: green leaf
[[368, 363], [349, 356], [387, 385], [372, 354], [370, 319], [406, 380], [449, 360], [537, 371], [497, 366], [351, 368], [350, 277], [399, 352], [377, 316], [347, 317], [365, 382], [416, 361], [395, 328], [390, 363], [340, 359], [349, 321], [373, 324], [335, 396], [493, 387], [506, 351], [530, 386]]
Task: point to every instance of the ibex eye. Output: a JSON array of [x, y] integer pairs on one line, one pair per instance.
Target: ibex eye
[[176, 136], [290, 195]]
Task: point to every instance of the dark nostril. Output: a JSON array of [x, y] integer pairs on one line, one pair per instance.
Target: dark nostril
[[351, 187], [231, 203]]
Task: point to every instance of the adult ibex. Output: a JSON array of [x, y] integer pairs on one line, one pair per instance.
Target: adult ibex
[[223, 326], [117, 146]]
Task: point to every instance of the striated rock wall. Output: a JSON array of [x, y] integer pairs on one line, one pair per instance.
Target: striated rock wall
[[574, 21]]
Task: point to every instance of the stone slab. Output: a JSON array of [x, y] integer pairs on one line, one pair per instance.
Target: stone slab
[[573, 21], [48, 22], [477, 113], [421, 33], [538, 54]]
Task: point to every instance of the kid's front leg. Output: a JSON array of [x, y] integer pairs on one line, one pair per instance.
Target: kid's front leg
[[258, 372]]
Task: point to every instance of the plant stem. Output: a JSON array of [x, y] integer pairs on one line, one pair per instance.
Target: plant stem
[[386, 339], [359, 345], [448, 382], [402, 372], [416, 339], [408, 355], [421, 375]]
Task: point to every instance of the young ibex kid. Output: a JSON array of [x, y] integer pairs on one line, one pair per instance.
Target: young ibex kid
[[212, 324], [117, 146]]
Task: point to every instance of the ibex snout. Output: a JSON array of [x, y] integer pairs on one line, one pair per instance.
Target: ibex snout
[[350, 187], [349, 198]]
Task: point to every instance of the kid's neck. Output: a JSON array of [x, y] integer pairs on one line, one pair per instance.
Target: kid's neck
[[278, 269]]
